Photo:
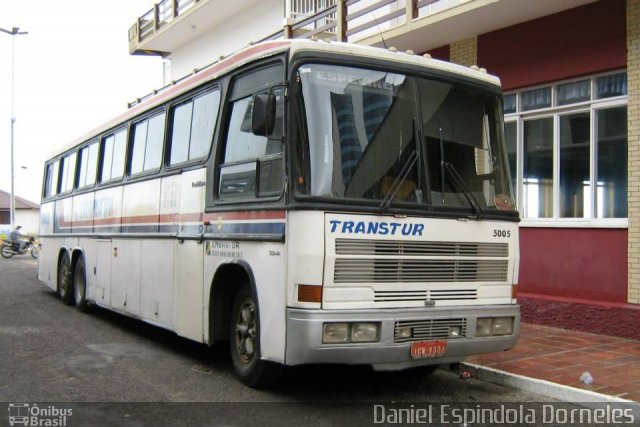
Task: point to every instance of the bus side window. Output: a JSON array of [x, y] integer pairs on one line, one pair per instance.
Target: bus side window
[[193, 123], [51, 183], [252, 165], [113, 155], [88, 164], [148, 138], [68, 173]]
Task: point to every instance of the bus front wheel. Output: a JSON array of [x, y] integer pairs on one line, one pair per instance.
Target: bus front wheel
[[244, 341], [65, 283]]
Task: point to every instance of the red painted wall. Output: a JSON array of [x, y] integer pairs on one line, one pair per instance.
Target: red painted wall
[[442, 52], [587, 264], [584, 40]]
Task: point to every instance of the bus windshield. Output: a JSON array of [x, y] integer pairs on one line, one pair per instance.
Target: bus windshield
[[392, 139]]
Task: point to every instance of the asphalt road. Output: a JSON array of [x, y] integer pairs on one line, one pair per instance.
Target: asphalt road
[[50, 352]]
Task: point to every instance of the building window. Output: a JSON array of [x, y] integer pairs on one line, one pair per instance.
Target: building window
[[567, 146], [611, 169]]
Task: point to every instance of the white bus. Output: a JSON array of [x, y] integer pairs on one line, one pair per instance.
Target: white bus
[[308, 202]]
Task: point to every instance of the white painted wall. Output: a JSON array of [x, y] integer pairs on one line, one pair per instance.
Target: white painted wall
[[262, 20], [29, 219]]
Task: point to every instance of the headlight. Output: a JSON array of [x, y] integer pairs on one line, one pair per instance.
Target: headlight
[[335, 333], [454, 331], [343, 332], [484, 327], [404, 332], [364, 332], [494, 326], [503, 326]]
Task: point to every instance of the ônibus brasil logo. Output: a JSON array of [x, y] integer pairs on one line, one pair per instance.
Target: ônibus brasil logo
[[26, 414]]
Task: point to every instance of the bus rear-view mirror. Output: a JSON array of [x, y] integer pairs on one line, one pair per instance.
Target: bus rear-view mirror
[[264, 114]]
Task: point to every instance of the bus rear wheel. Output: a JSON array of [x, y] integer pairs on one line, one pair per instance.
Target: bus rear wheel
[[65, 284], [244, 342], [80, 285]]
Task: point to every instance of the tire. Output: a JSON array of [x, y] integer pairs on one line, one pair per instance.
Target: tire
[[6, 252], [244, 343], [65, 282], [80, 285], [34, 251]]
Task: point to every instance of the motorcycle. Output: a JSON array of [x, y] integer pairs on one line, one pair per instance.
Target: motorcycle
[[10, 248]]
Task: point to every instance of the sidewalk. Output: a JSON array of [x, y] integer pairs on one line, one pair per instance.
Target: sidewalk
[[561, 356]]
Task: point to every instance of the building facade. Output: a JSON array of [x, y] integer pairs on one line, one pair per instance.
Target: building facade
[[570, 71], [27, 215]]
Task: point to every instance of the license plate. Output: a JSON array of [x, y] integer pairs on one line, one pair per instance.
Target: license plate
[[426, 349]]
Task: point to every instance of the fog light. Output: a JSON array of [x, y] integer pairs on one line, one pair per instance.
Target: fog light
[[484, 327], [364, 332], [335, 333], [454, 331], [503, 326], [404, 332]]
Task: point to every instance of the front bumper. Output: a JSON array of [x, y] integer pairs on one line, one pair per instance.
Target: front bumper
[[304, 336]]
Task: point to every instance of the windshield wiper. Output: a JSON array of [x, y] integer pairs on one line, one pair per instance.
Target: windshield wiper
[[397, 183], [459, 181]]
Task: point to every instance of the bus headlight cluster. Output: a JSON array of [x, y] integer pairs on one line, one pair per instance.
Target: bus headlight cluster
[[353, 332], [494, 326]]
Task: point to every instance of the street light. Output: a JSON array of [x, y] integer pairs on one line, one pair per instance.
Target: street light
[[15, 31]]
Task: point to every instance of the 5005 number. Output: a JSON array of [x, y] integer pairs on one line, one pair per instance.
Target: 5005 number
[[501, 233]]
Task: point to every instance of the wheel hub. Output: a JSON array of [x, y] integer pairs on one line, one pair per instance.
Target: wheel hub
[[246, 332]]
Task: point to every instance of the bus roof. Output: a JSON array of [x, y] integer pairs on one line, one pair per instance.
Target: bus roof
[[261, 50]]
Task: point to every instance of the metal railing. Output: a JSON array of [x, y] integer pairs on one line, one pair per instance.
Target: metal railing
[[325, 19], [337, 21], [160, 15], [302, 9], [347, 18]]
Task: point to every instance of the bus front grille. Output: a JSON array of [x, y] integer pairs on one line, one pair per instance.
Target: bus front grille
[[412, 248], [430, 329], [426, 295], [395, 270]]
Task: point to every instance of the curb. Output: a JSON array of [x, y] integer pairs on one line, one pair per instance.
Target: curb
[[549, 389]]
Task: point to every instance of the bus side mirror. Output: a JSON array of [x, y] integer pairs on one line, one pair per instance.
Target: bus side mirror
[[263, 115]]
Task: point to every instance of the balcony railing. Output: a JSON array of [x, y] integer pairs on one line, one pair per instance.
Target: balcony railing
[[341, 20], [160, 15], [345, 19]]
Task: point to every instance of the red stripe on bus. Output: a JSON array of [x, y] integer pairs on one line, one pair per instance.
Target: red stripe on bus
[[141, 219], [249, 215], [175, 218]]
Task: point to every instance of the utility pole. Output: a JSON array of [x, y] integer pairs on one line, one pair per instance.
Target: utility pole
[[15, 31]]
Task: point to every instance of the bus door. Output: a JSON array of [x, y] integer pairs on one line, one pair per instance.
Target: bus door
[[189, 256]]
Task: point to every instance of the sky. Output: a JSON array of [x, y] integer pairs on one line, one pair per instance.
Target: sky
[[73, 72]]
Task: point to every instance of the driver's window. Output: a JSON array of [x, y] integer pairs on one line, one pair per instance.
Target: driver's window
[[252, 165]]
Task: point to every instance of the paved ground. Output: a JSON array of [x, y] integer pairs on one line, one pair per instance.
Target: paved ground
[[50, 352], [562, 356]]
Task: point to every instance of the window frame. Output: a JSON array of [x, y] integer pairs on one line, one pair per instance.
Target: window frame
[[102, 140], [593, 105], [169, 125], [87, 146], [55, 169], [131, 139], [233, 95], [62, 191]]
